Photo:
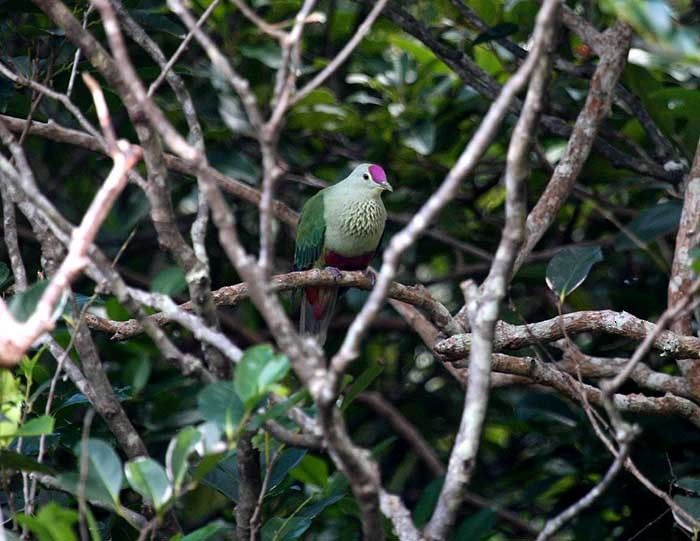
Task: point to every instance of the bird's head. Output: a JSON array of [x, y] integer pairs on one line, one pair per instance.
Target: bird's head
[[371, 178]]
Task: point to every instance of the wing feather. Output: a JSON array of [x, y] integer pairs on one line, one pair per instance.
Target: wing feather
[[311, 233]]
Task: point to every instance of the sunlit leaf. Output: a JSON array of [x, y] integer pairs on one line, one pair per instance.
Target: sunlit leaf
[[257, 371], [179, 449], [148, 478]]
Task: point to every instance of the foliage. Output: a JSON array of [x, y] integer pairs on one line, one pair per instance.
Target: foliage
[[397, 103]]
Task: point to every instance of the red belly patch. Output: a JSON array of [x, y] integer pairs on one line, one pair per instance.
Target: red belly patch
[[338, 261]]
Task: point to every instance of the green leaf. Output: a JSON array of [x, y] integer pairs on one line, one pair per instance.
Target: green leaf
[[363, 381], [476, 526], [51, 523], [651, 224], [224, 477], [37, 427], [169, 281], [281, 529], [219, 403], [421, 138], [104, 475], [149, 479], [179, 449], [287, 461], [267, 53], [691, 484], [11, 400], [23, 304], [277, 410], [690, 505], [257, 371], [695, 260], [312, 470], [214, 530], [12, 460], [569, 268], [427, 501], [496, 32]]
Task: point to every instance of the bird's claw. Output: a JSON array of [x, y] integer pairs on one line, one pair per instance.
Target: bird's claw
[[335, 271], [371, 275]]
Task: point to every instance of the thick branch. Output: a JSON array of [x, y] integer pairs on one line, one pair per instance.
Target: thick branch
[[608, 321], [232, 295]]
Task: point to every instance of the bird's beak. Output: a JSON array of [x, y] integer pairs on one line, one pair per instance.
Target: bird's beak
[[387, 186]]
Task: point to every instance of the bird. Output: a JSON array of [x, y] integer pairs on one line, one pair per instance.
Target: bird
[[340, 228]]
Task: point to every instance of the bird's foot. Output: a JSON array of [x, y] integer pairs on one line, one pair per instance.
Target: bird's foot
[[369, 273], [335, 271]]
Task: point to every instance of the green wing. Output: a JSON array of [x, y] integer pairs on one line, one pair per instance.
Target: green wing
[[310, 233]]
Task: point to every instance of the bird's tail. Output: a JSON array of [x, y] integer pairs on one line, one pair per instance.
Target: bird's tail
[[317, 308]]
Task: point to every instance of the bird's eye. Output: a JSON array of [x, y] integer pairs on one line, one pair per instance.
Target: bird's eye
[[365, 176]]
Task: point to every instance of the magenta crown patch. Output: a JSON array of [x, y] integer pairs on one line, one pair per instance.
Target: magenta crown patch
[[378, 174]]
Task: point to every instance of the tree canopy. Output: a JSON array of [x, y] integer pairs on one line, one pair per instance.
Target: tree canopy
[[524, 360]]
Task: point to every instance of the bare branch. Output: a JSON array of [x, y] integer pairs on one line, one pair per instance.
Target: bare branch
[[687, 238], [16, 337], [579, 145], [483, 309], [608, 321], [407, 236], [232, 295], [167, 68]]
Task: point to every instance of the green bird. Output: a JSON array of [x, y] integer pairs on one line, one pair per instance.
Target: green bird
[[341, 228]]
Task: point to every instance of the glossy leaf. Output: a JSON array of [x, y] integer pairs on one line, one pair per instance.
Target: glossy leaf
[[285, 529], [257, 371], [149, 479], [569, 268], [219, 403], [179, 449]]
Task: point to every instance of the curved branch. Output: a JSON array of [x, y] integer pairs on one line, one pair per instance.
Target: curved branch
[[232, 295], [607, 321]]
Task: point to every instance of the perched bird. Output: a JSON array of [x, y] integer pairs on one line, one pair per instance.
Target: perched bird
[[340, 228]]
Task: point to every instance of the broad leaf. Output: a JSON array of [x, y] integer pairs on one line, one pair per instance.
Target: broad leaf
[[219, 403], [12, 460], [212, 531], [149, 479], [287, 461], [569, 268], [179, 449], [651, 224], [691, 484], [169, 281], [23, 304], [690, 505], [104, 469], [257, 371], [285, 529], [52, 523], [37, 427]]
